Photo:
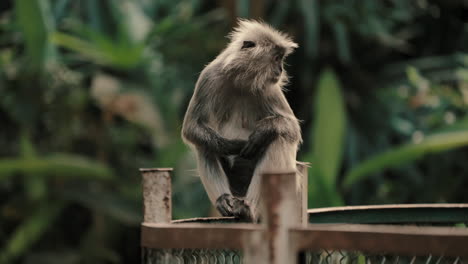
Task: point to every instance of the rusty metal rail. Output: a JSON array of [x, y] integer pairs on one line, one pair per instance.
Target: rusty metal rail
[[404, 240], [284, 236], [392, 214], [421, 214], [397, 240], [215, 236]]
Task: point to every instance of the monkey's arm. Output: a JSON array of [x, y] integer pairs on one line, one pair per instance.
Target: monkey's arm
[[204, 137], [267, 131], [195, 127]]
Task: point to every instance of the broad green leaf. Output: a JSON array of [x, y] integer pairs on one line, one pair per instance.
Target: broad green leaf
[[431, 144], [102, 49], [64, 166], [36, 23], [330, 121], [322, 194], [30, 231]]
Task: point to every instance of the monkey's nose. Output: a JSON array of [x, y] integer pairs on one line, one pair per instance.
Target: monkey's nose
[[278, 58], [279, 70], [279, 53]]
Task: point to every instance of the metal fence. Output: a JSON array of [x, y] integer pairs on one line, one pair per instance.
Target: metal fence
[[226, 256], [191, 256], [355, 257], [428, 233]]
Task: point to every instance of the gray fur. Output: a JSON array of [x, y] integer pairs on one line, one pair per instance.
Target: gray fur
[[238, 109]]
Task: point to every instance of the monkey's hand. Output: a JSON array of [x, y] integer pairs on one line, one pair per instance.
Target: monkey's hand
[[228, 205], [233, 146], [224, 204], [257, 144]]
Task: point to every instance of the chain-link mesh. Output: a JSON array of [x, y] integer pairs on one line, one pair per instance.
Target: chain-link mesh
[[191, 256], [343, 257], [226, 256]]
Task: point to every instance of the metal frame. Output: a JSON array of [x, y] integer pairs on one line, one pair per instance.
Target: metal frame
[[284, 231], [391, 214]]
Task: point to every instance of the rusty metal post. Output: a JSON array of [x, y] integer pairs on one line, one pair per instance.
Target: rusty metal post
[[302, 193], [157, 206], [302, 182], [280, 212], [157, 200]]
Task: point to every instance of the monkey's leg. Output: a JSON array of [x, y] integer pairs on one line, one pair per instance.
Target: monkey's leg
[[216, 183], [279, 157], [240, 175]]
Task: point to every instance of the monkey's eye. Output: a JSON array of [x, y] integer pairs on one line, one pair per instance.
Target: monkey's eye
[[248, 44]]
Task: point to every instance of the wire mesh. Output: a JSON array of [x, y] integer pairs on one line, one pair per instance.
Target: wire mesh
[[191, 256], [227, 256], [344, 257]]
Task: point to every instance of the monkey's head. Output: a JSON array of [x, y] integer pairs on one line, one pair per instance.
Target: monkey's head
[[255, 55]]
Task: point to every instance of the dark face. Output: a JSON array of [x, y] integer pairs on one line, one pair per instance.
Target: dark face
[[266, 58], [278, 57]]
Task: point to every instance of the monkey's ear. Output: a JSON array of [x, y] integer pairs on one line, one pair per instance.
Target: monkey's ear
[[291, 47], [248, 44], [294, 45]]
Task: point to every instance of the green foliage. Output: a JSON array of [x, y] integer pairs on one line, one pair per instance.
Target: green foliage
[[407, 153], [30, 231], [35, 21], [102, 49], [94, 99], [63, 165], [92, 90], [309, 8]]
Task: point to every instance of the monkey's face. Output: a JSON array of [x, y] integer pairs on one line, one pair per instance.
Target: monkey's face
[[260, 61], [256, 55]]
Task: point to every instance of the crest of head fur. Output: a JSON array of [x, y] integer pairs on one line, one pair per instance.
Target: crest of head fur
[[259, 64]]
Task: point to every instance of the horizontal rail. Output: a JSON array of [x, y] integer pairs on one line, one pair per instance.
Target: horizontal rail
[[371, 214], [380, 239], [391, 214], [225, 236]]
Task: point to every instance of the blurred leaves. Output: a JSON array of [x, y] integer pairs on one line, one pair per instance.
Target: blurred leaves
[[110, 204], [36, 22], [328, 135], [92, 90], [58, 165], [132, 105], [329, 128], [30, 231], [310, 11], [102, 49], [107, 82], [407, 153]]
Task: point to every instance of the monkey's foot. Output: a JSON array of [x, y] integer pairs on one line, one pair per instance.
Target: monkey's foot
[[228, 205], [241, 210]]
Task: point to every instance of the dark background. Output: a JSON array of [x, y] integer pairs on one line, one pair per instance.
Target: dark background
[[90, 91]]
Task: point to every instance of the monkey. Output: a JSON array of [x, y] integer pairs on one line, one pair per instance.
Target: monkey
[[238, 120]]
